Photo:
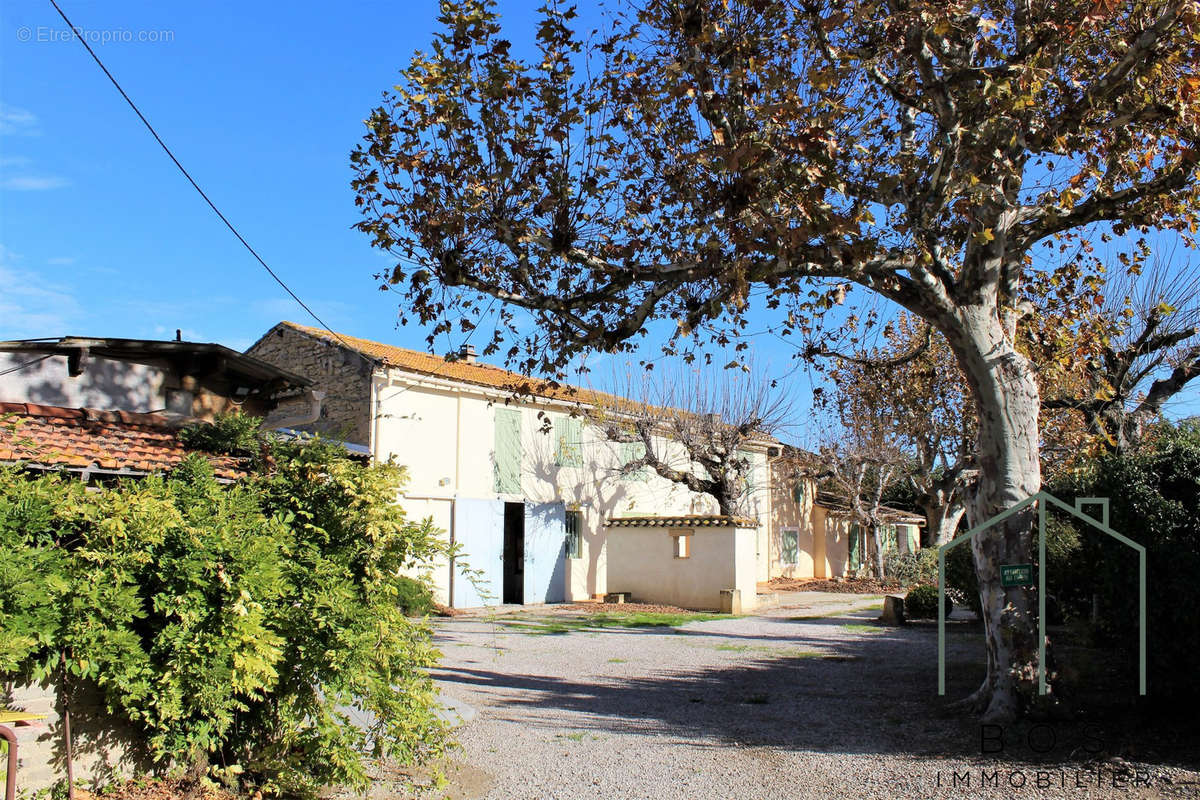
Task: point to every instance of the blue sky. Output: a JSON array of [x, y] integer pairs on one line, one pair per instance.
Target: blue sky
[[100, 235]]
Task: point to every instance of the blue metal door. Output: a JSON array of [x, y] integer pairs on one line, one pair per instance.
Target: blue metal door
[[479, 532], [545, 552]]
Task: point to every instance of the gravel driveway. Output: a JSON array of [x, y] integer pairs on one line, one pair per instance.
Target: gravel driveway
[[807, 701]]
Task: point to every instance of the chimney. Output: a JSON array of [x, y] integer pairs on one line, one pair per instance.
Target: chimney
[[467, 353]]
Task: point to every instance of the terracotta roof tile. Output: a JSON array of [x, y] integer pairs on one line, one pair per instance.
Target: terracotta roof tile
[[436, 366], [476, 373], [682, 521], [84, 438]]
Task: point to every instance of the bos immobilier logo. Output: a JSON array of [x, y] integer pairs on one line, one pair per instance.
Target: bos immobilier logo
[[1013, 575]]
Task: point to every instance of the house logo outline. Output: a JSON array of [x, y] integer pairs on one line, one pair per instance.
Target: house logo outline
[[1044, 500]]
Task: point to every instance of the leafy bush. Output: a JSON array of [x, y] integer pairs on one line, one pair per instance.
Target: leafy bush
[[911, 569], [1154, 499], [232, 625], [235, 434], [961, 580], [921, 603], [414, 597]]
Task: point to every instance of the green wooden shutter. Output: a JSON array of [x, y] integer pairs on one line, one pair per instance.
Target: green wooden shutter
[[855, 556], [632, 451], [748, 475], [791, 547], [889, 537], [569, 447], [508, 451]]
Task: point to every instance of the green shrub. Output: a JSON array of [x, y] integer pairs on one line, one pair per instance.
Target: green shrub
[[414, 597], [231, 625], [1154, 499], [921, 603], [228, 434], [911, 569], [961, 580]]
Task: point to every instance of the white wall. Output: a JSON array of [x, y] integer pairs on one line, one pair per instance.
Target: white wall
[[104, 384], [443, 432], [718, 558]]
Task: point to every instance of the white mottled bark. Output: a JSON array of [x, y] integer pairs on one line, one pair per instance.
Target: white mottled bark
[[942, 519], [1007, 400]]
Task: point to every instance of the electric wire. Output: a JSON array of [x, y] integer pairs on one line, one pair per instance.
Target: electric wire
[[196, 186]]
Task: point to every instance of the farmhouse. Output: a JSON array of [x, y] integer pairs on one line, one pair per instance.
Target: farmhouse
[[535, 497], [523, 487]]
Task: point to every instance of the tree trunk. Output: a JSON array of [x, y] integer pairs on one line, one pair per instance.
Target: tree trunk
[[878, 552], [1006, 395], [942, 518]]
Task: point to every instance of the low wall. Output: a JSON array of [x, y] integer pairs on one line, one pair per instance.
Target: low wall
[[104, 749], [642, 562]]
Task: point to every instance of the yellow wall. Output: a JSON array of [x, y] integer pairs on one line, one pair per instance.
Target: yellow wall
[[787, 513]]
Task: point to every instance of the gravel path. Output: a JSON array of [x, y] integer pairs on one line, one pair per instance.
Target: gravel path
[[807, 701]]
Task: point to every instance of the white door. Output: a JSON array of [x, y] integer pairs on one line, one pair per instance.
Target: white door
[[479, 532], [545, 552]]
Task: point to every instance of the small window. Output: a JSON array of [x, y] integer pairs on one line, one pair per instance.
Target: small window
[[790, 545], [681, 542], [574, 537], [798, 492], [748, 475]]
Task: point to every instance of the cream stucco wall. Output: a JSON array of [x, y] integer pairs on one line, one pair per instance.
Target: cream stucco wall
[[718, 558], [789, 514], [444, 433]]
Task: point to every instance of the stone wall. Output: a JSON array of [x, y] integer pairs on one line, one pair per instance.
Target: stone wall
[[342, 374], [104, 749]]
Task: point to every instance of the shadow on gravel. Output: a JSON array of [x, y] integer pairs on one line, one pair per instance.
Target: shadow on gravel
[[871, 689], [867, 693]]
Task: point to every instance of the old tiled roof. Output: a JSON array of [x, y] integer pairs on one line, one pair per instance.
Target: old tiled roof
[[87, 439], [467, 372], [474, 373], [682, 521], [838, 505]]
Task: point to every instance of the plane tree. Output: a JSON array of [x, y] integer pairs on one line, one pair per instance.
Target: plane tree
[[693, 163], [695, 428], [910, 384], [1124, 343]]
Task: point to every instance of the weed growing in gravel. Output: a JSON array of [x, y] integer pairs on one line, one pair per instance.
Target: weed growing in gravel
[[794, 653], [804, 617], [641, 619], [862, 628], [756, 699], [735, 648], [618, 661]]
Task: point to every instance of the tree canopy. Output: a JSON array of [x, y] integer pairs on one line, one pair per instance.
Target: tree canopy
[[690, 152]]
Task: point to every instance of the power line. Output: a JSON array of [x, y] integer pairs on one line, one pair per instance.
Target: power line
[[25, 364], [192, 181]]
